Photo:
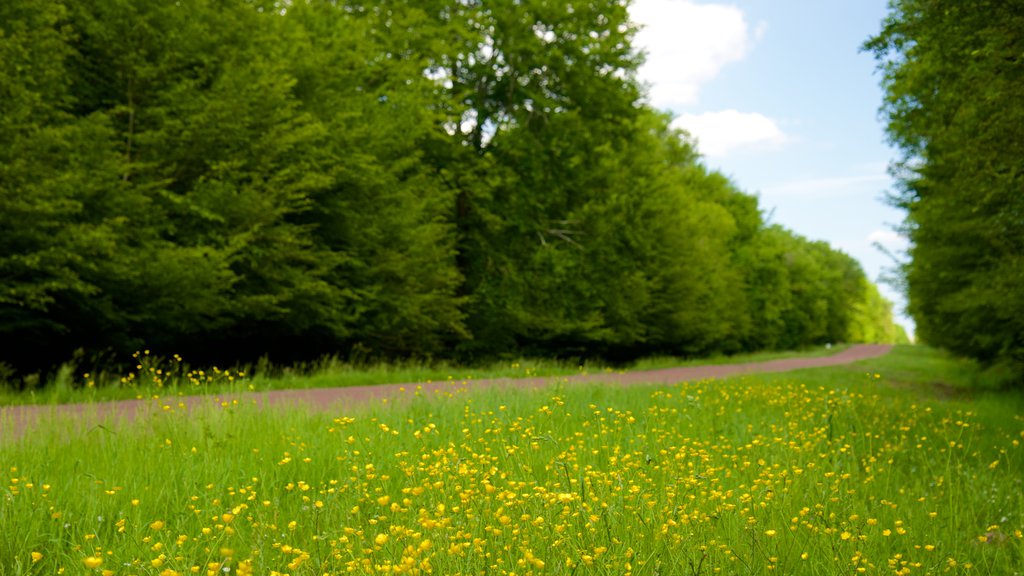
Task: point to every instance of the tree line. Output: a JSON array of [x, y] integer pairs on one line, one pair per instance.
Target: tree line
[[229, 179], [953, 75]]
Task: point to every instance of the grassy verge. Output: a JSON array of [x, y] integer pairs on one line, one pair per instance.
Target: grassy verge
[[659, 362], [921, 367], [170, 377], [819, 472]]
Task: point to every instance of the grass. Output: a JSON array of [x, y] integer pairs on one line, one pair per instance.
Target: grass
[[870, 468], [923, 367], [171, 377], [659, 362]]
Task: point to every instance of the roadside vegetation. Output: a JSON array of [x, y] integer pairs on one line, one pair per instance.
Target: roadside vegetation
[[467, 182], [951, 75], [869, 468], [157, 377]]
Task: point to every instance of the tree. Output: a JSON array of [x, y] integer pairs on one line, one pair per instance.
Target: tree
[[537, 95], [228, 179], [952, 75], [383, 211], [59, 227], [873, 321], [217, 161]]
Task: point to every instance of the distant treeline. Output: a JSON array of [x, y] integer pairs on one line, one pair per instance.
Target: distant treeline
[[228, 179]]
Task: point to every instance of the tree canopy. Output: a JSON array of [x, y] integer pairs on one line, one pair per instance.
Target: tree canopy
[[953, 76], [235, 179]]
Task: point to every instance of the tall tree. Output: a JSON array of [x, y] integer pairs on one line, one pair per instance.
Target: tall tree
[[60, 231], [953, 75], [384, 210], [539, 94], [217, 160], [235, 178]]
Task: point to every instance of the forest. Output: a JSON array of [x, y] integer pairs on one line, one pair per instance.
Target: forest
[[953, 75], [237, 179]]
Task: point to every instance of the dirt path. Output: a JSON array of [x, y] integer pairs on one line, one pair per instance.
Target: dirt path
[[15, 420]]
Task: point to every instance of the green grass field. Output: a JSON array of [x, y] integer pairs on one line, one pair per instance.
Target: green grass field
[[898, 465]]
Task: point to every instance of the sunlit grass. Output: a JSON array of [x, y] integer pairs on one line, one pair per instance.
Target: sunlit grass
[[825, 471]]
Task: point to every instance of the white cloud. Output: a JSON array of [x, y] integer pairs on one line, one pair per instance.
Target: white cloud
[[687, 44], [719, 133]]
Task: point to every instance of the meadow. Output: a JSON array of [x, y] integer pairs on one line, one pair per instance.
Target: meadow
[[898, 465]]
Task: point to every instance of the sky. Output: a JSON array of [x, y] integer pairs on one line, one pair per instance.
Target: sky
[[782, 100]]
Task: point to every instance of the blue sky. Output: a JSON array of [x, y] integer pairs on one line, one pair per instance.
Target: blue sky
[[782, 100]]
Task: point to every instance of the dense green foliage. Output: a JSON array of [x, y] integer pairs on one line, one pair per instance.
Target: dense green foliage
[[953, 74], [230, 179]]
